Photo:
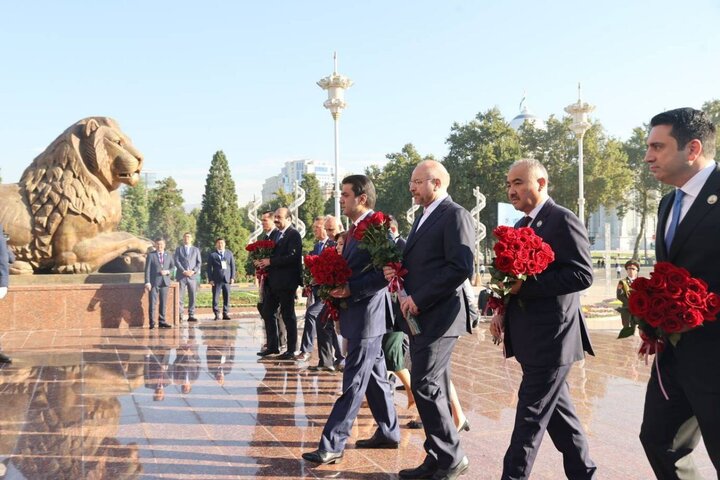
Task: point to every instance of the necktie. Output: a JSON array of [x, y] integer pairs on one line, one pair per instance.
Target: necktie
[[187, 251], [161, 258], [677, 208], [525, 221], [351, 230]]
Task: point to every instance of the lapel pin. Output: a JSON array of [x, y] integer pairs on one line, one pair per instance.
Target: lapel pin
[[539, 224], [712, 199]]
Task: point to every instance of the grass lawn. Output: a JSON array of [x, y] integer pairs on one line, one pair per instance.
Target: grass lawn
[[203, 299]]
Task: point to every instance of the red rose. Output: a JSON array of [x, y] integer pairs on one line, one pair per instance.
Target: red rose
[[638, 302], [360, 230], [377, 218], [501, 231], [694, 300], [677, 278], [712, 303], [697, 285], [657, 281], [691, 318], [504, 262], [672, 325], [663, 267], [499, 247], [640, 284]]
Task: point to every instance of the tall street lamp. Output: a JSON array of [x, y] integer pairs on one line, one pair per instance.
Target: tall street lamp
[[580, 125], [336, 85]]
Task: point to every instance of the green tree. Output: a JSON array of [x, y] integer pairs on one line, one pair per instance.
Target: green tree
[[220, 215], [712, 108], [480, 154], [391, 183], [167, 215], [314, 204], [135, 213]]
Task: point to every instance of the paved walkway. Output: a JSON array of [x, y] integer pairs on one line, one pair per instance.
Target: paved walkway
[[195, 402]]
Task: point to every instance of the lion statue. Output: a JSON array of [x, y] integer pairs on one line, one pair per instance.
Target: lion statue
[[62, 215]]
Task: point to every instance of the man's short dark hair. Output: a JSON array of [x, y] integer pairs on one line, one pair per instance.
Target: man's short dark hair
[[688, 124], [361, 184], [219, 238], [269, 212], [158, 239]]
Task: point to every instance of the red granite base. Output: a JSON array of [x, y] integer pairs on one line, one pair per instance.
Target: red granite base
[[50, 307]]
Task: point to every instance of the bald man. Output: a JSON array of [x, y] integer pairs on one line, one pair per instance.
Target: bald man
[[439, 258]]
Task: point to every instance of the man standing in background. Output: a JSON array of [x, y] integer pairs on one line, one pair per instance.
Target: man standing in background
[[221, 273], [157, 281], [188, 262], [4, 279]]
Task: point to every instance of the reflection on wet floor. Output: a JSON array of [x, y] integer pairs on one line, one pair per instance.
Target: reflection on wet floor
[[195, 402]]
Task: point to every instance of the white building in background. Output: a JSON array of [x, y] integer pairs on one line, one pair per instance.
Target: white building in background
[[293, 171]]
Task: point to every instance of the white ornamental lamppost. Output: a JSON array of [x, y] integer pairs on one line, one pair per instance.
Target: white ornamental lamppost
[[580, 125], [336, 85]]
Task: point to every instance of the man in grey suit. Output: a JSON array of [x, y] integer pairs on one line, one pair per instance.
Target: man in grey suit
[[188, 263], [157, 280], [545, 329], [681, 152], [439, 258], [362, 323]]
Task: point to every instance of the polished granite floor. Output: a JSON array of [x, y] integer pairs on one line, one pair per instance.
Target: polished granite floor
[[195, 402]]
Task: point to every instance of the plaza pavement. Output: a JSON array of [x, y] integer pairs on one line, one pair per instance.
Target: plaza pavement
[[86, 404]]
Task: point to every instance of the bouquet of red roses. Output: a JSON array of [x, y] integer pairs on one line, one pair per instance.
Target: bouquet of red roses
[[330, 270], [373, 233], [258, 250], [308, 261], [519, 253], [668, 303]]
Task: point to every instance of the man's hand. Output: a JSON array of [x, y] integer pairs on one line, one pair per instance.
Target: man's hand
[[232, 280], [164, 272], [407, 306], [262, 263], [212, 284], [497, 328], [340, 292], [188, 273], [148, 286], [389, 273], [516, 286]]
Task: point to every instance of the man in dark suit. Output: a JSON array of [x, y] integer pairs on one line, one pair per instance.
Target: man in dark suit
[[4, 279], [284, 267], [221, 273], [362, 323], [545, 329], [327, 338], [188, 262], [439, 257], [314, 302], [157, 281], [681, 152], [267, 220]]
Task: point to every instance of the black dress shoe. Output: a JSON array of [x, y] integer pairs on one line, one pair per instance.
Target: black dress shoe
[[287, 356], [321, 368], [414, 425], [226, 316], [192, 319], [217, 317], [152, 325], [376, 441], [5, 359], [266, 352], [323, 457], [426, 470], [453, 473], [164, 325]]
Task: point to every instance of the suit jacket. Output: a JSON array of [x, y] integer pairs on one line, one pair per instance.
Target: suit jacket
[[695, 248], [285, 270], [214, 266], [268, 236], [369, 303], [153, 268], [544, 323], [439, 257], [4, 260], [191, 261]]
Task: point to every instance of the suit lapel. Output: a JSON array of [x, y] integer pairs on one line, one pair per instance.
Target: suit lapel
[[540, 220], [351, 243], [418, 232], [698, 210]]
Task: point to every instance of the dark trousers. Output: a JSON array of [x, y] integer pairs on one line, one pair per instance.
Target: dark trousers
[[279, 327], [671, 429], [225, 289], [285, 299], [364, 376], [328, 341], [544, 404], [156, 293], [311, 318], [430, 382]]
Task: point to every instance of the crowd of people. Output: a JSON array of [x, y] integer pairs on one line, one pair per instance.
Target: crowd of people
[[542, 324]]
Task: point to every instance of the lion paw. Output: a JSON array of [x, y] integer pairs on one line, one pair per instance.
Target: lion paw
[[80, 267]]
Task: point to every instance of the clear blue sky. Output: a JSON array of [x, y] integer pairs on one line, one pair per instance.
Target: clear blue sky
[[185, 79]]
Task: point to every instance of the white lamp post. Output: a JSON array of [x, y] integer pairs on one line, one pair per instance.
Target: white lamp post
[[336, 85], [580, 125]]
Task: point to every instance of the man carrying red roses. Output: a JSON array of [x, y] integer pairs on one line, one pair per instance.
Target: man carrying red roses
[[681, 149], [545, 330]]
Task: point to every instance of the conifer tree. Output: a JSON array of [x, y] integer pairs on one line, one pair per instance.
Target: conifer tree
[[220, 213], [135, 210], [167, 215]]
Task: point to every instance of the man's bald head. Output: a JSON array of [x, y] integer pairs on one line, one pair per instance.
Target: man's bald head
[[429, 180]]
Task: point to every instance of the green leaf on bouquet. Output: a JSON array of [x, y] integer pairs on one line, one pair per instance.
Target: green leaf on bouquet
[[628, 331]]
